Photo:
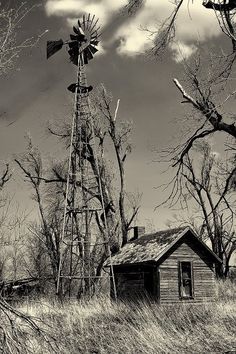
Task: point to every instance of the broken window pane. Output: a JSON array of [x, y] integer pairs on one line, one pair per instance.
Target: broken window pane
[[186, 283]]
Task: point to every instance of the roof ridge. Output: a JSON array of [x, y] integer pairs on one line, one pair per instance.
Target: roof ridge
[[166, 230]]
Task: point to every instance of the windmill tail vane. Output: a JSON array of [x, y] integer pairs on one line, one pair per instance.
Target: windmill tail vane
[[53, 47]]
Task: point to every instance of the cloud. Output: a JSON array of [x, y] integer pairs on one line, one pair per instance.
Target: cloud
[[198, 24], [194, 23], [103, 9], [182, 51]]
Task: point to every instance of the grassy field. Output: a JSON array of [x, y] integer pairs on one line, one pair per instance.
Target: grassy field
[[102, 327]]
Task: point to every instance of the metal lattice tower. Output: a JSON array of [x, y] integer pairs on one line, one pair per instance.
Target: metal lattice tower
[[84, 193]]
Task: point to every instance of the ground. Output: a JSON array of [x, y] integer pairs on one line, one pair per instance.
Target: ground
[[104, 327]]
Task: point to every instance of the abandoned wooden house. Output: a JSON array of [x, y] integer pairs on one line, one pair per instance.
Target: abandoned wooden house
[[168, 266]]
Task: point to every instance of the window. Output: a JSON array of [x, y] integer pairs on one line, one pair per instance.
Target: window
[[185, 280]]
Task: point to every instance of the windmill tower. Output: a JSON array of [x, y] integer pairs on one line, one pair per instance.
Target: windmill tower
[[84, 199]]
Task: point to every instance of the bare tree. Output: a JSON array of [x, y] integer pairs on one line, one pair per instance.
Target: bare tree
[[209, 197], [50, 189], [203, 95], [11, 46], [37, 263], [206, 80], [206, 90], [5, 203], [31, 164], [108, 126], [120, 137], [13, 321]]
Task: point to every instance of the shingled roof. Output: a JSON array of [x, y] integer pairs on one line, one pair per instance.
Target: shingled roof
[[153, 246]]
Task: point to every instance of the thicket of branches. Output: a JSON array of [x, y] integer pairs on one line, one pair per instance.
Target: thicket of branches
[[11, 43], [14, 325], [206, 89], [49, 189]]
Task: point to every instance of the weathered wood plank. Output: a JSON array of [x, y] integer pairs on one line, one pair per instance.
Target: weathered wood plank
[[203, 276]]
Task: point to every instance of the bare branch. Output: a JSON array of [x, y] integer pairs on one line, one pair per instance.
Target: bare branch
[[10, 46], [5, 177]]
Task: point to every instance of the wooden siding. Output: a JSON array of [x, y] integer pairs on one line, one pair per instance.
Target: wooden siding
[[203, 273], [135, 281], [129, 285]]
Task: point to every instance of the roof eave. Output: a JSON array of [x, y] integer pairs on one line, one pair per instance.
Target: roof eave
[[207, 248]]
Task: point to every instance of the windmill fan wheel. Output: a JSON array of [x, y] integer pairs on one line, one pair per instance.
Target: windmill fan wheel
[[84, 40]]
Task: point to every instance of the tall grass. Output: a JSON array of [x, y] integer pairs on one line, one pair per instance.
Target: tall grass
[[226, 290], [103, 327]]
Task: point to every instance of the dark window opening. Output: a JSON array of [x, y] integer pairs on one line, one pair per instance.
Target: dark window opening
[[186, 279], [148, 283]]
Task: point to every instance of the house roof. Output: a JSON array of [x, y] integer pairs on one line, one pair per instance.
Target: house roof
[[153, 247]]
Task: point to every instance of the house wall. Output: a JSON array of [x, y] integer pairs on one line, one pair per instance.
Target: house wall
[[135, 281], [203, 273]]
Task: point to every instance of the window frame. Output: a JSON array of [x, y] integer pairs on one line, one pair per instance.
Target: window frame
[[181, 295]]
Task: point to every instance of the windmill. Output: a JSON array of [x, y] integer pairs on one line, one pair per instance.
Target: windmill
[[83, 186]]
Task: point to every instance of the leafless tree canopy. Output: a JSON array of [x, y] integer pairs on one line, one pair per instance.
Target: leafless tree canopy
[[206, 90], [120, 136], [205, 79], [207, 184], [11, 45]]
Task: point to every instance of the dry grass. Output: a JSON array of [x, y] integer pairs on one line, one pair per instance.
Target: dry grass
[[102, 327], [226, 290]]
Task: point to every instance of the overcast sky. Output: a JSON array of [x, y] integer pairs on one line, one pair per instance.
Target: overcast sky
[[36, 91]]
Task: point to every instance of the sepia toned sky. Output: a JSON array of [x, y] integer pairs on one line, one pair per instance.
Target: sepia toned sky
[[35, 92]]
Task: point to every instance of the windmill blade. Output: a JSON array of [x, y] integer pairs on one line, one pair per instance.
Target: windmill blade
[[94, 25], [53, 47], [88, 54], [88, 20], [95, 31], [74, 53], [91, 22], [73, 44], [94, 35], [93, 49], [83, 23], [73, 37], [94, 43], [98, 35], [80, 31], [74, 60], [78, 38], [75, 30]]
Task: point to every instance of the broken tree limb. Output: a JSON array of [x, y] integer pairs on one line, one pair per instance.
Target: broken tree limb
[[207, 108]]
